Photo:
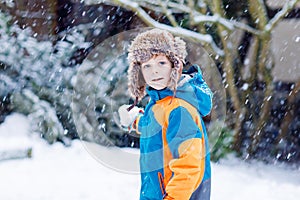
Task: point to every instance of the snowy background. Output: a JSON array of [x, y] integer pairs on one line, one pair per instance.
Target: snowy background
[[55, 172], [40, 71]]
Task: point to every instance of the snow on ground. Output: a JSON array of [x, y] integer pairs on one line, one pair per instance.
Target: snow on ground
[[58, 173]]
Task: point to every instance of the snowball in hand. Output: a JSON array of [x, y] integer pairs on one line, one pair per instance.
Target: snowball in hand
[[128, 117]]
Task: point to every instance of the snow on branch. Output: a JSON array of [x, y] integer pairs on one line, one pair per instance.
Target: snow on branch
[[229, 24], [93, 1], [288, 6], [197, 17], [168, 13], [203, 38], [176, 7], [215, 18]]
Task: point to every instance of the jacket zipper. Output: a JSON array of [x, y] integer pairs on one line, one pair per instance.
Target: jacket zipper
[[162, 185]]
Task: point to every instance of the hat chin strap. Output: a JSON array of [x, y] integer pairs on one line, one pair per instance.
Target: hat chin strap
[[134, 104]]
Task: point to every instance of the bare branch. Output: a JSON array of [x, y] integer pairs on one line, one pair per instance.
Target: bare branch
[[259, 15], [229, 24], [258, 12], [152, 5], [228, 69], [191, 6], [280, 15], [180, 7], [168, 13], [284, 127], [205, 39], [196, 17], [245, 27], [200, 18]]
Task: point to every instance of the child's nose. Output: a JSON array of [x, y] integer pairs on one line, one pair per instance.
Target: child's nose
[[155, 70]]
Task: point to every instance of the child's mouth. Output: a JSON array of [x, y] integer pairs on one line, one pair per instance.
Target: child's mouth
[[157, 79]]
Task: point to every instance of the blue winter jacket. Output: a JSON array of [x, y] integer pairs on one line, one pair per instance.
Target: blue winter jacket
[[175, 160]]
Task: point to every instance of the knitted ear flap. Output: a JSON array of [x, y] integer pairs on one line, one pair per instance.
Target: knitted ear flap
[[136, 81], [175, 73], [180, 47]]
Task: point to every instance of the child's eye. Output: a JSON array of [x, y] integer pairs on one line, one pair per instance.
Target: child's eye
[[146, 66], [162, 62]]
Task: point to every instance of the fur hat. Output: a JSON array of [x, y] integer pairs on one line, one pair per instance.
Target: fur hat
[[143, 47]]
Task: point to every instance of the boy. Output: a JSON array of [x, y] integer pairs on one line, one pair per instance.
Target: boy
[[174, 159]]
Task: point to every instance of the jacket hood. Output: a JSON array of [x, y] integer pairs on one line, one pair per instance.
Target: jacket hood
[[191, 88]]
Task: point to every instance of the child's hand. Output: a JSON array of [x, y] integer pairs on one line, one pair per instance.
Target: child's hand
[[127, 118]]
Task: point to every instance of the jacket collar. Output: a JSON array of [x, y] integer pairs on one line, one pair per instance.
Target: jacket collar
[[158, 94]]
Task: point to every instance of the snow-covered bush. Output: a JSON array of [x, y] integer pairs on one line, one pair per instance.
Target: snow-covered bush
[[222, 138], [37, 75]]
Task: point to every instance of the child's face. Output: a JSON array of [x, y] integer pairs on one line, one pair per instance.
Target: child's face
[[157, 71]]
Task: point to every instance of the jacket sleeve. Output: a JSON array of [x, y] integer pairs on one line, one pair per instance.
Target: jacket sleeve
[[185, 143]]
